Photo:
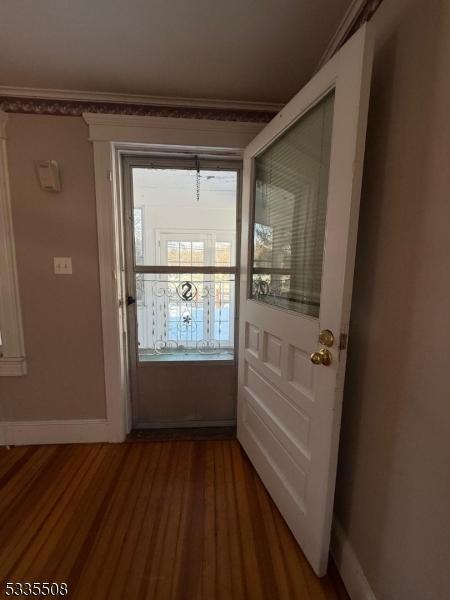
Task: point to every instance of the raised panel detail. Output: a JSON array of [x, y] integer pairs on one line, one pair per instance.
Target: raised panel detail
[[295, 424], [252, 339], [300, 371], [290, 475], [272, 352]]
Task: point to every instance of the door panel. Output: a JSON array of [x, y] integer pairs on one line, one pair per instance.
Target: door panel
[[175, 395], [301, 186], [181, 215]]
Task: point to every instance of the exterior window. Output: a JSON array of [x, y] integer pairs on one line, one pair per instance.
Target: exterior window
[[223, 254], [185, 253]]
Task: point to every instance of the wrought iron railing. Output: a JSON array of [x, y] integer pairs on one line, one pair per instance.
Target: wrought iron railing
[[179, 313]]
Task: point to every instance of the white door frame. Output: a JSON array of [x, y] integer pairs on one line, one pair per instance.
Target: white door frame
[[112, 136]]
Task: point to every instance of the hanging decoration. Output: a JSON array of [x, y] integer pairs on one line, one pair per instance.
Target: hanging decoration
[[197, 166]]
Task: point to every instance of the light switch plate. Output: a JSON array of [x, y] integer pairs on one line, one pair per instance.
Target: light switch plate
[[63, 265]]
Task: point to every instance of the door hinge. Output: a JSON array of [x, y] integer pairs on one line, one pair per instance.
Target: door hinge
[[343, 338], [109, 175]]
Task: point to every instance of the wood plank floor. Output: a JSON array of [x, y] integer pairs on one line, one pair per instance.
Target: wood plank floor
[[157, 520]]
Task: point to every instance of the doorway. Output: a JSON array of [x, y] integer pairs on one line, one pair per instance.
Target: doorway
[[181, 217], [306, 370]]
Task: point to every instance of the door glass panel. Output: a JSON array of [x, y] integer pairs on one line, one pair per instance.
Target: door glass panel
[[290, 202], [172, 226], [183, 315]]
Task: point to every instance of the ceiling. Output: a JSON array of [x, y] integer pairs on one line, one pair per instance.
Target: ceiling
[[240, 50]]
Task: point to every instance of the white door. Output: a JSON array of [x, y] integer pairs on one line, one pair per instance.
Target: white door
[[301, 189]]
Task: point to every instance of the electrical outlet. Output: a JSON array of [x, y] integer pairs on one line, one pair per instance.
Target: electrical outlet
[[63, 265]]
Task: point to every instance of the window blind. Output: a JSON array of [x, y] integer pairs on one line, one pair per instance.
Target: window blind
[[291, 186]]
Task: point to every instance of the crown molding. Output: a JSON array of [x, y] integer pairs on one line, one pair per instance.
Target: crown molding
[[51, 94], [358, 13], [74, 103]]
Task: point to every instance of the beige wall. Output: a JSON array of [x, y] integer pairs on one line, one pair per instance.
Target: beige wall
[[393, 487], [61, 314]]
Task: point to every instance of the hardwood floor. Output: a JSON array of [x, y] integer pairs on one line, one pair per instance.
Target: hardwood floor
[[159, 520]]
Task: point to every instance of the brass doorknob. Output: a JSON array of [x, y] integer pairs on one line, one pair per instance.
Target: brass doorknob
[[323, 357]]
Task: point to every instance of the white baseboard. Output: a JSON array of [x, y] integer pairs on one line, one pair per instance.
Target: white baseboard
[[348, 565], [2, 433], [13, 366], [20, 433]]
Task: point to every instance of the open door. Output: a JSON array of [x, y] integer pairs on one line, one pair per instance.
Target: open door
[[301, 191]]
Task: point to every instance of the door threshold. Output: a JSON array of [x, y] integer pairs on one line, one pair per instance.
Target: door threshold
[[182, 434]]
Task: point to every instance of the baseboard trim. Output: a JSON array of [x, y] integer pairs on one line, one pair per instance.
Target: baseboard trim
[[13, 367], [348, 565], [82, 431]]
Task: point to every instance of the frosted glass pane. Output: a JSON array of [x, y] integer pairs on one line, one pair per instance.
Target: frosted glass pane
[[291, 187]]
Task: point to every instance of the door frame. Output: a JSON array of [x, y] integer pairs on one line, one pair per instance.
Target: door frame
[[111, 137]]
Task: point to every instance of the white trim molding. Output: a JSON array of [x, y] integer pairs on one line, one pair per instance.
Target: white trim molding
[[12, 367], [112, 136], [82, 431], [12, 348], [348, 565], [167, 131]]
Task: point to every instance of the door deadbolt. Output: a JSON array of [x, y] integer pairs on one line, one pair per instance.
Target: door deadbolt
[[326, 338], [322, 357]]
